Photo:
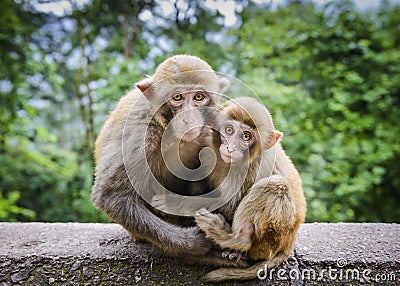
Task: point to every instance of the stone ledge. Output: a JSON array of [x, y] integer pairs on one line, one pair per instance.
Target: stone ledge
[[104, 254]]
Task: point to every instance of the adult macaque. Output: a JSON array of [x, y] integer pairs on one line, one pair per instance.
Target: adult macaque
[[266, 219], [130, 168]]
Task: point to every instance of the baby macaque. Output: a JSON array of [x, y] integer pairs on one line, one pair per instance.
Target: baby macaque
[[269, 207]]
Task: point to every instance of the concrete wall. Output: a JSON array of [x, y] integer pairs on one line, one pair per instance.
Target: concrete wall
[[104, 254]]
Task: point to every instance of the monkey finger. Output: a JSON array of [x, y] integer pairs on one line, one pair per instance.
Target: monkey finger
[[203, 223], [225, 254], [231, 255], [239, 258], [212, 223], [202, 212], [234, 256], [242, 257]]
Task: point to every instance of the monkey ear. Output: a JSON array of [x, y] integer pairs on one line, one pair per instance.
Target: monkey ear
[[223, 84], [273, 138], [144, 86]]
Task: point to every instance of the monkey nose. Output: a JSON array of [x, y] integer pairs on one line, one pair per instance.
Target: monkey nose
[[230, 149]]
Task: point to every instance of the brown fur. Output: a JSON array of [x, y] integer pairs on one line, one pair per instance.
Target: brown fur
[[129, 138], [274, 205]]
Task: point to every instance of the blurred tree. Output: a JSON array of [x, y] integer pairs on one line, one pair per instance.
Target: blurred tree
[[192, 28], [101, 47], [33, 180], [331, 76], [355, 78], [50, 183], [9, 211], [17, 63]]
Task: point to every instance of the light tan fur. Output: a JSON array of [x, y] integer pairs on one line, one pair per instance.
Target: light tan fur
[[266, 213], [130, 142]]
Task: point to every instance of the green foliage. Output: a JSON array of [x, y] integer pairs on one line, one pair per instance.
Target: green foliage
[[329, 74], [48, 182], [10, 211], [332, 79], [194, 34], [16, 27]]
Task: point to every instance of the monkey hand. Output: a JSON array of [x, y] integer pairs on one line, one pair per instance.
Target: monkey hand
[[212, 224], [234, 255]]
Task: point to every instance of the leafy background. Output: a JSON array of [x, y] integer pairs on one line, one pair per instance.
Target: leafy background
[[328, 71]]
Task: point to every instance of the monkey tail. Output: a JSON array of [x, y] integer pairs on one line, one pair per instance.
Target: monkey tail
[[252, 272]]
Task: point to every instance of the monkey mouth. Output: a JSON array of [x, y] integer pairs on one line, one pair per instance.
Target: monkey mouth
[[226, 158], [230, 158]]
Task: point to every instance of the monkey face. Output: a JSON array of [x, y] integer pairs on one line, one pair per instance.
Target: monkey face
[[236, 140], [188, 106]]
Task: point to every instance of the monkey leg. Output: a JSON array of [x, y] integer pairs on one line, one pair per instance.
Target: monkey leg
[[188, 244], [120, 202], [218, 258], [224, 274], [212, 258], [216, 228], [143, 224], [270, 206]]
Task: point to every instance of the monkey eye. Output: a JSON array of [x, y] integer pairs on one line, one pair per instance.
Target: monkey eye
[[177, 96], [229, 130], [199, 97], [246, 136]]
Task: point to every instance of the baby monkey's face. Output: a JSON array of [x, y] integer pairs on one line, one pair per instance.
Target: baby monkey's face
[[236, 140]]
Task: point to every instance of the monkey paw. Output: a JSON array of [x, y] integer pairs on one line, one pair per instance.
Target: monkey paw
[[211, 224], [234, 258], [233, 255]]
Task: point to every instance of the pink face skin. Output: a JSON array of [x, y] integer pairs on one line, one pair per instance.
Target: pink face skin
[[189, 120], [236, 139]]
